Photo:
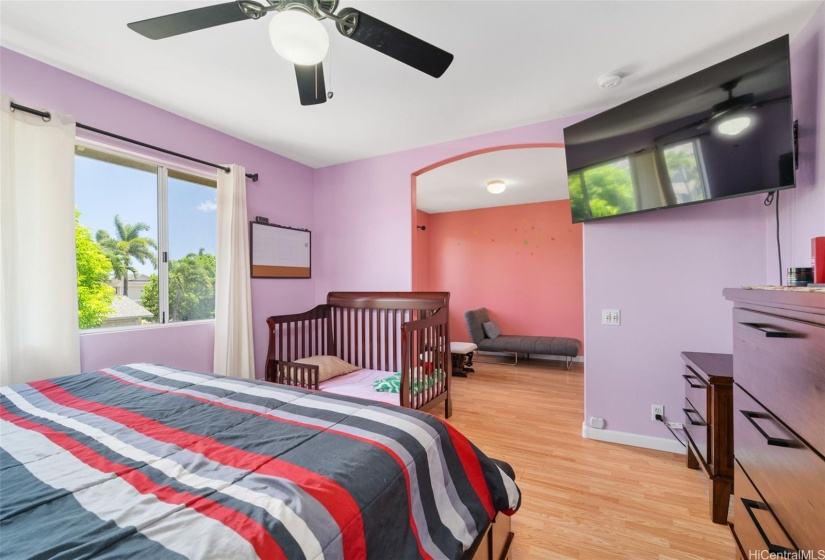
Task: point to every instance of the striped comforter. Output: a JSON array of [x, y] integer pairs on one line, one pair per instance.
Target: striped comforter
[[149, 462]]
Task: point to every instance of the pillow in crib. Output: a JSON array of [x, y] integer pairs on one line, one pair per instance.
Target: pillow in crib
[[328, 366]]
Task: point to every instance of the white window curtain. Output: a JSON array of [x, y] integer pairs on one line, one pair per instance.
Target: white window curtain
[[39, 334], [233, 299]]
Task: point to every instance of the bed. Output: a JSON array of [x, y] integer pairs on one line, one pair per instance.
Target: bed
[[380, 334], [146, 461]]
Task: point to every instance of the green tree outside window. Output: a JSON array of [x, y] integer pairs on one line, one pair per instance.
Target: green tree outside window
[[94, 295], [609, 190], [191, 288]]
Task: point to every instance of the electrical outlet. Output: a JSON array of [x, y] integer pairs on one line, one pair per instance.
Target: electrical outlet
[[657, 409], [675, 425], [611, 317], [597, 422]]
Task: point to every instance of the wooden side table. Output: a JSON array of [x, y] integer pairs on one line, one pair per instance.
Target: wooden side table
[[709, 424]]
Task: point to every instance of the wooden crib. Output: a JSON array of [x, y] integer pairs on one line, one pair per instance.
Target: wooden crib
[[403, 332]]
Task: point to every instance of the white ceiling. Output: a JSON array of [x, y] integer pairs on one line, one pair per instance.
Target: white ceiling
[[516, 62], [531, 174]]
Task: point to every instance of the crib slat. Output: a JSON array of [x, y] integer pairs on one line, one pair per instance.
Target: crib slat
[[394, 341], [387, 341], [360, 338]]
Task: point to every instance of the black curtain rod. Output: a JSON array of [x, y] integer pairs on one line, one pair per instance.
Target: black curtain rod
[[46, 115]]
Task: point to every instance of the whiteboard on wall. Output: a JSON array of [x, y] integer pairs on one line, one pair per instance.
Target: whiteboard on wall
[[280, 251]]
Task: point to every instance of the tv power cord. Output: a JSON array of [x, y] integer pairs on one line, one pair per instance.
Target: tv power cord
[[661, 419]]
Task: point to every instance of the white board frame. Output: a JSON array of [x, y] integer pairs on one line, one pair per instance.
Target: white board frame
[[288, 255]]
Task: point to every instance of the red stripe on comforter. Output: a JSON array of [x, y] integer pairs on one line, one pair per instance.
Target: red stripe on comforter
[[404, 469], [472, 467], [265, 546], [336, 499]]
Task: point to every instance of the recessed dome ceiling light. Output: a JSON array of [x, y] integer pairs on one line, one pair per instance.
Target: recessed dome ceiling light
[[496, 187], [610, 81]]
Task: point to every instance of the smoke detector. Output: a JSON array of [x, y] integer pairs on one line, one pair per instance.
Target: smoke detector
[[610, 81]]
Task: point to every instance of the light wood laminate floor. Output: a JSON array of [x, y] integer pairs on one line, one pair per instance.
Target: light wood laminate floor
[[582, 498]]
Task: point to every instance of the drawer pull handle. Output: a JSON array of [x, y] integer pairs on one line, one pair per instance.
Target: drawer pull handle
[[769, 332], [778, 442], [692, 386], [693, 422], [751, 505]]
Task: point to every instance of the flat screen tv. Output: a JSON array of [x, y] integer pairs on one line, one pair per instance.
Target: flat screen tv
[[722, 132]]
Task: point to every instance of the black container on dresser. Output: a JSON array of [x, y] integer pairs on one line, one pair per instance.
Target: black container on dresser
[[779, 422], [709, 424]]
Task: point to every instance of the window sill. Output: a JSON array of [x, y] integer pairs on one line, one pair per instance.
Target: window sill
[[147, 327]]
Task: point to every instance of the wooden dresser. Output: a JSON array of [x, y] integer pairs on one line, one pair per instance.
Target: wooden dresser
[[779, 422], [709, 424]]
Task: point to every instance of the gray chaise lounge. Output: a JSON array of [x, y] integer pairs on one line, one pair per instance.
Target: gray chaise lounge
[[519, 344]]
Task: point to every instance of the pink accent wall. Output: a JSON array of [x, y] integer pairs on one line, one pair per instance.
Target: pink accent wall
[[421, 252], [284, 194], [523, 263]]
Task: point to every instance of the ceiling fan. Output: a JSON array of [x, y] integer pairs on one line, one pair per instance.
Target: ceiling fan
[[298, 35], [731, 116]]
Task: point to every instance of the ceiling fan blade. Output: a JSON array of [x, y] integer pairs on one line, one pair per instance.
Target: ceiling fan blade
[[393, 42], [311, 87], [194, 20]]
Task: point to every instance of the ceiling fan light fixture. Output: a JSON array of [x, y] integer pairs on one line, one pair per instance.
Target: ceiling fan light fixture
[[734, 126], [298, 37], [496, 186]]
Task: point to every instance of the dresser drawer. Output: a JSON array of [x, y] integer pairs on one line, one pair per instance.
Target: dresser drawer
[[789, 475], [696, 391], [753, 522], [697, 429], [782, 362]]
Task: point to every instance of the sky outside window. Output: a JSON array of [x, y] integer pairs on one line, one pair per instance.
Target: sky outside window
[[192, 218], [104, 190]]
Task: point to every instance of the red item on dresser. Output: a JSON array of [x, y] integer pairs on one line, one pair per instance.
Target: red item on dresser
[[818, 259]]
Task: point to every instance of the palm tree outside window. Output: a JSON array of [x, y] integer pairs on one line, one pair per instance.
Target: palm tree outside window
[[126, 246]]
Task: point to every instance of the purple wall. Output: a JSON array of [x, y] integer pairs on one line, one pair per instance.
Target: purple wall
[[665, 271], [284, 194], [673, 266], [802, 210]]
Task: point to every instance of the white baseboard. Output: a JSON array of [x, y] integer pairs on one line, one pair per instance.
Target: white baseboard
[[648, 442]]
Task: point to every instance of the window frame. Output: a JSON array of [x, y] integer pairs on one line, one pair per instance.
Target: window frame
[[695, 142], [162, 189]]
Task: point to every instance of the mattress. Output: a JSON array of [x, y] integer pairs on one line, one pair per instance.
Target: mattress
[[359, 384]]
